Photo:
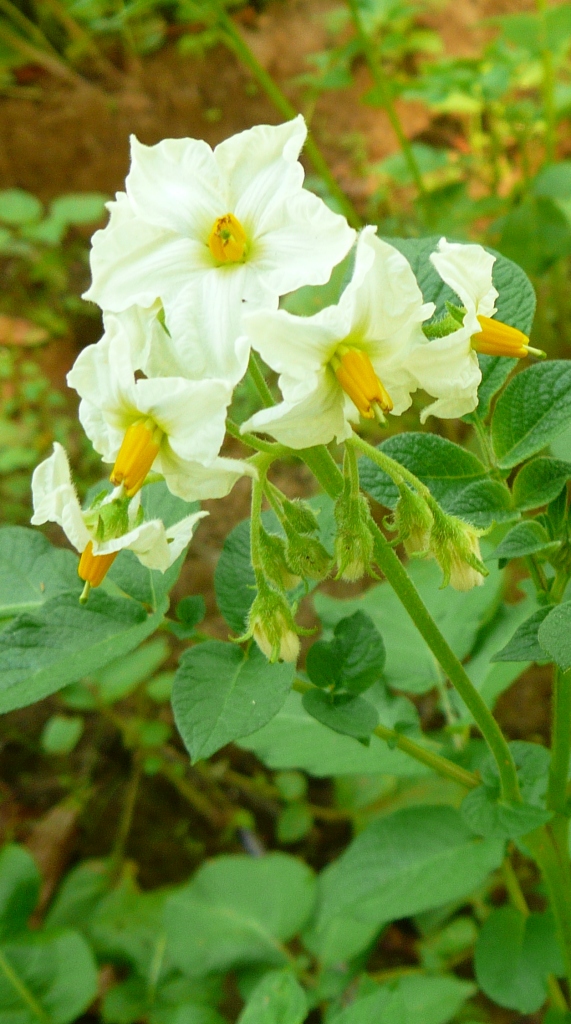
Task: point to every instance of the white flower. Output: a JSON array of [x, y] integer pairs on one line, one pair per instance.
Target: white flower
[[209, 230], [166, 423], [347, 359], [112, 525], [448, 368]]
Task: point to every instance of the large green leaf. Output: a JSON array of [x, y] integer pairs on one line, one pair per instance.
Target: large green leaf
[[408, 862], [63, 640], [32, 571], [293, 739], [526, 538], [415, 999], [514, 955], [46, 978], [19, 889], [238, 910], [524, 644], [221, 694], [410, 665], [554, 635], [539, 482], [353, 660], [381, 1007], [277, 999], [532, 411]]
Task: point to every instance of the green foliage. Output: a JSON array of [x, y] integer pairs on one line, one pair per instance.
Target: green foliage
[[531, 412], [278, 999], [539, 482], [61, 734], [514, 955], [353, 660], [554, 635], [352, 716], [527, 538]]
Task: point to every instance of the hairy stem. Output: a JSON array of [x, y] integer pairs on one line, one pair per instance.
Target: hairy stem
[[560, 742], [257, 375], [236, 42]]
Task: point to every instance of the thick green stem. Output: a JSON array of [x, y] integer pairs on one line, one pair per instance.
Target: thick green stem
[[263, 462], [236, 43], [560, 742], [324, 468], [409, 597], [383, 87], [255, 442]]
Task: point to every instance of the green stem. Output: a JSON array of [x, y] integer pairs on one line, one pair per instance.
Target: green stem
[[236, 43], [537, 574], [257, 374], [380, 80], [324, 468], [441, 765], [126, 818], [255, 442], [23, 991], [263, 463], [391, 467], [560, 742], [409, 597]]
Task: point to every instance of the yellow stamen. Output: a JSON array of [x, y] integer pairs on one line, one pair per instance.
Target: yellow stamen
[[139, 450], [498, 339], [356, 375], [228, 242], [93, 568]]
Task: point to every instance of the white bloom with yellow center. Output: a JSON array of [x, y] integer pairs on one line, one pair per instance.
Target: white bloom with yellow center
[[166, 423], [100, 533], [348, 359], [209, 230], [448, 368]]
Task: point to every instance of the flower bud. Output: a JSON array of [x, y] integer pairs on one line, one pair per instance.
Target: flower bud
[[274, 563], [272, 625], [300, 515], [354, 541], [307, 557], [456, 547], [413, 520]]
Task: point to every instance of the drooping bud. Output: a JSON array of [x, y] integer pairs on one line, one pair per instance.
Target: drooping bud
[[274, 562], [357, 377], [307, 557], [93, 568], [300, 515], [228, 241], [456, 547], [271, 624], [354, 541], [413, 520], [137, 453], [498, 339]]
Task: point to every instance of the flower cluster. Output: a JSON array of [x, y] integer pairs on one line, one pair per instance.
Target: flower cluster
[[189, 273]]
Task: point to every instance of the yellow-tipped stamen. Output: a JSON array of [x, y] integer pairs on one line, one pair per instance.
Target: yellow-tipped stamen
[[93, 568], [498, 339], [139, 450], [356, 375], [228, 242]]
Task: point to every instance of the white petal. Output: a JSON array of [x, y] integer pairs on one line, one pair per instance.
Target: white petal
[[180, 534], [302, 244], [467, 269], [191, 413], [55, 499], [296, 345], [177, 185], [135, 263], [262, 169], [448, 369], [195, 482], [147, 538], [316, 418]]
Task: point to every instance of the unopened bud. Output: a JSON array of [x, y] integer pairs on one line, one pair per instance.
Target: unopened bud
[[307, 557], [354, 541], [272, 625], [413, 520], [300, 515], [274, 562], [456, 547]]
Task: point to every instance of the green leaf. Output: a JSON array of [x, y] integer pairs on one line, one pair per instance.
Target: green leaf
[[554, 181], [483, 503], [125, 926], [535, 234], [381, 1007], [294, 822], [410, 665], [19, 207], [61, 734], [489, 678], [524, 644], [294, 739], [554, 635], [78, 895], [525, 538], [32, 570], [539, 482], [189, 612], [516, 300], [79, 208], [48, 979], [402, 864], [122, 675], [354, 659], [495, 372], [534, 408], [487, 816], [352, 716], [220, 695], [239, 910], [514, 955], [433, 1000], [19, 889], [63, 641], [277, 999]]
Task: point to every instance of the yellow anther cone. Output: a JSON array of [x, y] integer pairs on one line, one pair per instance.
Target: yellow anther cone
[[498, 339], [93, 568], [228, 241], [139, 450], [356, 375]]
